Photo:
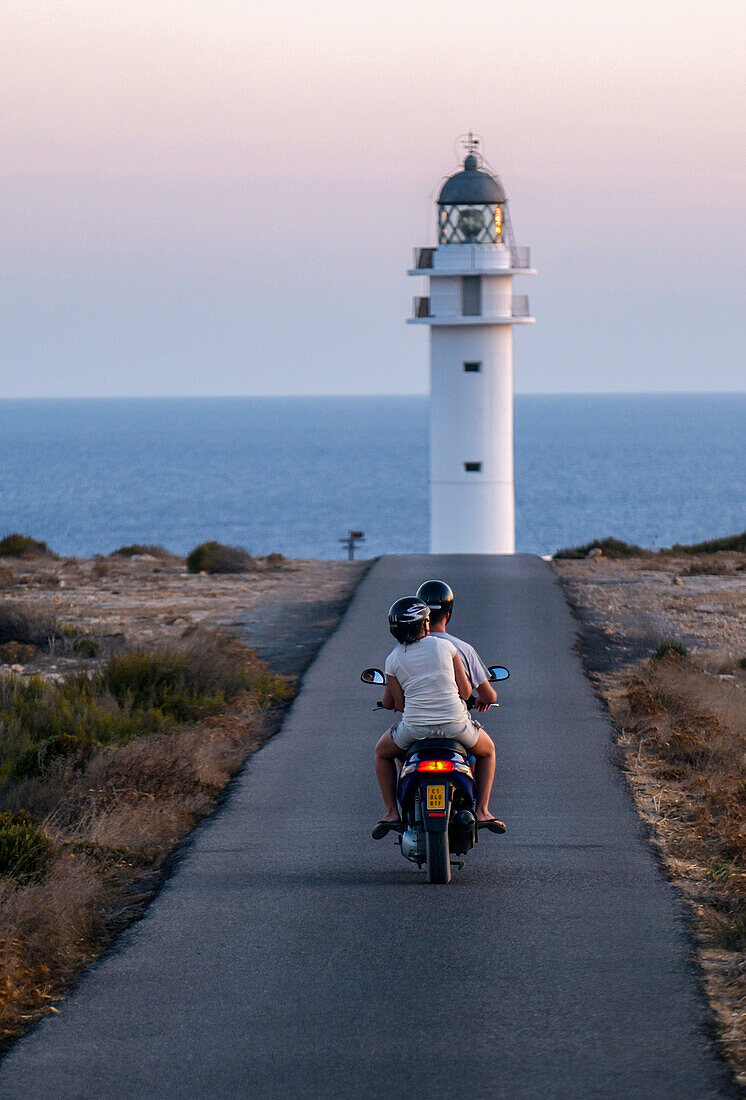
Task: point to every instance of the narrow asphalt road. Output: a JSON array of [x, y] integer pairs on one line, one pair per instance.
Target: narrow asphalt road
[[291, 955]]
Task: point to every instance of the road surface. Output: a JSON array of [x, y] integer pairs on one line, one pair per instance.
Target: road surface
[[292, 956]]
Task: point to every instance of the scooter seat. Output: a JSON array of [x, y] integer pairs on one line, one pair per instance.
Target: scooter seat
[[436, 745]]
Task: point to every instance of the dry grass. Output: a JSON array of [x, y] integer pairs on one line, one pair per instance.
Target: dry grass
[[49, 931], [683, 731], [114, 813]]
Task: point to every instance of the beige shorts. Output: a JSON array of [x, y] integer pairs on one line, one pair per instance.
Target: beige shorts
[[464, 730]]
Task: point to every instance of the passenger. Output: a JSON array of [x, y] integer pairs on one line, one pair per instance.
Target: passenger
[[426, 683]]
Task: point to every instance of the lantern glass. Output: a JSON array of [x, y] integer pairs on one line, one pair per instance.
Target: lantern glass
[[480, 223]]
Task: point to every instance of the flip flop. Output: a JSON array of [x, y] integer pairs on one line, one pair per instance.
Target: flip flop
[[383, 828], [493, 825]]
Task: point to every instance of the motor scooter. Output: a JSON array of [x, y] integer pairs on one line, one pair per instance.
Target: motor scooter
[[436, 793]]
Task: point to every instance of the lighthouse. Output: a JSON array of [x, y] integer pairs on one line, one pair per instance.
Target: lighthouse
[[471, 310]]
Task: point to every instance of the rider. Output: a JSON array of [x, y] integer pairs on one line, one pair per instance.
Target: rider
[[427, 683], [439, 598]]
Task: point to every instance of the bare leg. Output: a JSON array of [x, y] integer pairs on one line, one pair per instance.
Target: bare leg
[[484, 771], [386, 752]]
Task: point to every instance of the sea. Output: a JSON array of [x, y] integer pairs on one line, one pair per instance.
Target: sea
[[294, 474]]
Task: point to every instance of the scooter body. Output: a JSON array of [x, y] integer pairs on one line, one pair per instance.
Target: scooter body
[[437, 796]]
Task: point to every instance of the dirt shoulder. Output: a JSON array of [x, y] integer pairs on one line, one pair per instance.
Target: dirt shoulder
[[663, 639]]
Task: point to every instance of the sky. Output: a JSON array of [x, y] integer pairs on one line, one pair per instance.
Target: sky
[[223, 197]]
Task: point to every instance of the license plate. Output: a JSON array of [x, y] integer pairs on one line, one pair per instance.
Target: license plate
[[436, 798]]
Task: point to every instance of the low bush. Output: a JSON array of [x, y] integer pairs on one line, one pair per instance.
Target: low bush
[[35, 759], [17, 653], [612, 548], [668, 647], [275, 561], [28, 625], [22, 546], [25, 851], [734, 543], [214, 557], [140, 548], [86, 647]]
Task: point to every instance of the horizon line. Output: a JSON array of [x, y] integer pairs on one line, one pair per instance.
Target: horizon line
[[307, 396]]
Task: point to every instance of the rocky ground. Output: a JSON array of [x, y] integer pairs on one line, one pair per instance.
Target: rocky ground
[[627, 606], [284, 611]]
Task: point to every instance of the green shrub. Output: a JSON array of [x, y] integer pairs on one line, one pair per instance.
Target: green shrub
[[612, 548], [736, 543], [20, 622], [668, 646], [214, 557], [86, 647], [25, 851], [140, 548], [165, 684], [22, 546], [35, 759]]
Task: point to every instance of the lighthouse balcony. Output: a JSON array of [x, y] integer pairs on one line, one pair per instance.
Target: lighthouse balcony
[[469, 259], [492, 310]]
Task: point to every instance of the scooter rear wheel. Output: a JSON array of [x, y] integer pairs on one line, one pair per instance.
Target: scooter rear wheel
[[438, 858]]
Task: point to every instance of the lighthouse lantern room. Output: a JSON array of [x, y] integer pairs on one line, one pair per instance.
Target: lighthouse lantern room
[[471, 311]]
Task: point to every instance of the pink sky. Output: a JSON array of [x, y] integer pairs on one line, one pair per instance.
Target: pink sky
[[213, 198]]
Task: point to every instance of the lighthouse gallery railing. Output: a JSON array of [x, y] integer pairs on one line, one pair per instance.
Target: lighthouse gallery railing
[[498, 308]]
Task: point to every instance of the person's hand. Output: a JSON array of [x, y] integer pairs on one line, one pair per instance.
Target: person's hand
[[482, 707]]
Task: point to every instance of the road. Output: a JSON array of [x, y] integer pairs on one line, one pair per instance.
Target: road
[[291, 955]]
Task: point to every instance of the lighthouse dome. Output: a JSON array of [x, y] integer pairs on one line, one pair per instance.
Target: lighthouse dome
[[470, 186]]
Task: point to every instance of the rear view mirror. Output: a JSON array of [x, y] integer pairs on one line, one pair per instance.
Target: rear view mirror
[[497, 672], [373, 676]]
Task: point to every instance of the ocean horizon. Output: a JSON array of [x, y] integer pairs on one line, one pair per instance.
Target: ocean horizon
[[294, 474]]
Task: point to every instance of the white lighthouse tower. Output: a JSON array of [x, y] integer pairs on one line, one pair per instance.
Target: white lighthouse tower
[[471, 311]]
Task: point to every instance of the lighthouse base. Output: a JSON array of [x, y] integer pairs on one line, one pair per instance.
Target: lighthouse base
[[472, 519]]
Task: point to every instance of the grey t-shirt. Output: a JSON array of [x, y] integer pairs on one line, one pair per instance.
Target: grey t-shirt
[[476, 670]]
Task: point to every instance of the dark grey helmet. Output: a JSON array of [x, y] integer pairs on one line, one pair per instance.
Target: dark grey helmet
[[438, 596]]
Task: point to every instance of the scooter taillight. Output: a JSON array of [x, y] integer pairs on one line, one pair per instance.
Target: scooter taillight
[[435, 766]]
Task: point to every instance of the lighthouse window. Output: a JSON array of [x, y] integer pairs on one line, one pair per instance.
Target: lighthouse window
[[473, 467], [472, 368]]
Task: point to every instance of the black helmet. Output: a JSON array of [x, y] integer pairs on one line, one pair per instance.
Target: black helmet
[[406, 618], [439, 598]]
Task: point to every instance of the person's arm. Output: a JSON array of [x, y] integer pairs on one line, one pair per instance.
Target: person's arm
[[486, 696], [393, 696], [462, 680], [485, 693]]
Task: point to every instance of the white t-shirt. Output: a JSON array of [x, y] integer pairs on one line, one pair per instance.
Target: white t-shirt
[[425, 671]]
